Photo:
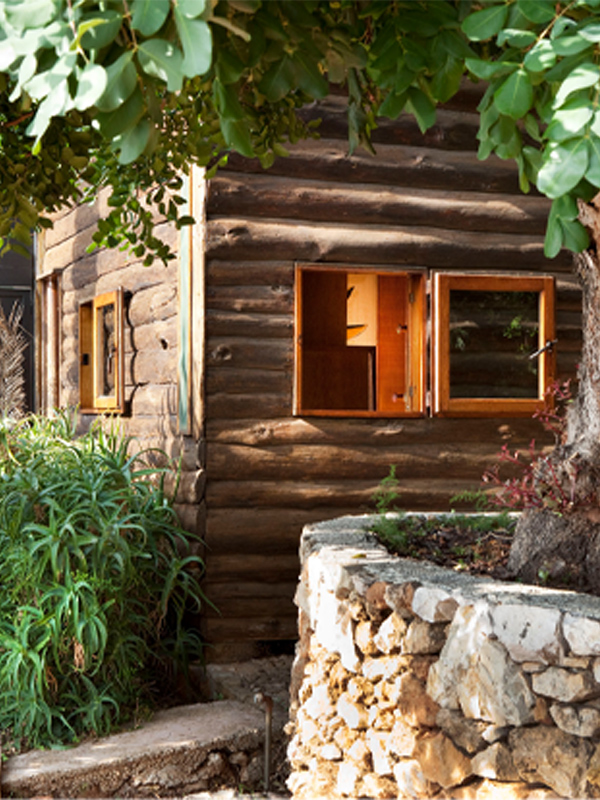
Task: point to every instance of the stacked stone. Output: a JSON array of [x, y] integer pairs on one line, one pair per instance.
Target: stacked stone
[[427, 683]]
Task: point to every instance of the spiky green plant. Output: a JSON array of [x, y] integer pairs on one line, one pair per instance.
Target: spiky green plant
[[13, 344], [96, 578]]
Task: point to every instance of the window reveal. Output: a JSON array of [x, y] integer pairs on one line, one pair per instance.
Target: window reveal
[[101, 378]]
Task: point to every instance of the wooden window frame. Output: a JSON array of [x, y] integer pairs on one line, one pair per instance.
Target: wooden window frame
[[416, 361], [443, 283], [91, 398]]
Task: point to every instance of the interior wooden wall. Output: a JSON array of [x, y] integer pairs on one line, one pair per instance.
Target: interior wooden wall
[[423, 201]]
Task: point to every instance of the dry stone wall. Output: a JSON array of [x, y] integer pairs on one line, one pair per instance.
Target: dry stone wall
[[412, 680]]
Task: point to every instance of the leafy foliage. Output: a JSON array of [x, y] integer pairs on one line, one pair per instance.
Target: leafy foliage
[[130, 93], [94, 583]]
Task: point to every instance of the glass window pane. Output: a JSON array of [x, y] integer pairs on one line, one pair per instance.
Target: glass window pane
[[106, 349], [492, 335]]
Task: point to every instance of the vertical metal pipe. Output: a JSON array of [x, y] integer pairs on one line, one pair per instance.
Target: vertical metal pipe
[[268, 703]]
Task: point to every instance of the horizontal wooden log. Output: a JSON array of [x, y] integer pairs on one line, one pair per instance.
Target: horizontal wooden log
[[242, 590], [320, 462], [218, 629], [269, 568], [232, 352], [379, 245], [69, 222], [248, 381], [238, 323], [453, 130], [154, 303], [264, 299], [350, 496], [245, 406], [155, 366], [277, 197], [156, 401], [417, 166], [249, 273], [248, 608], [379, 433], [161, 334]]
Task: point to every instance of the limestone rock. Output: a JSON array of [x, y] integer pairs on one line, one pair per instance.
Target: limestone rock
[[331, 752], [494, 689], [550, 756], [400, 598], [578, 720], [378, 787], [334, 629], [381, 716], [390, 634], [354, 714], [402, 739], [424, 638], [433, 604], [363, 637], [375, 601], [582, 635], [564, 685], [360, 754], [345, 737], [414, 704], [497, 790], [529, 633], [495, 762], [466, 733], [360, 688], [319, 705], [383, 668], [347, 779], [411, 781], [441, 761], [470, 627], [377, 743]]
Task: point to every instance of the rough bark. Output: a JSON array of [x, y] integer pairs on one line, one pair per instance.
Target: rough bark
[[564, 542]]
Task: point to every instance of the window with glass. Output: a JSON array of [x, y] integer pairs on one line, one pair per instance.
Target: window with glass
[[101, 353], [364, 340]]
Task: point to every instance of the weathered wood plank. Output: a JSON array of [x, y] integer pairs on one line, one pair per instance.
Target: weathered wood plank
[[417, 166], [320, 462], [220, 629], [253, 353], [220, 592], [249, 273], [380, 433], [278, 197], [239, 323], [243, 406], [379, 245], [250, 608], [233, 567], [264, 299], [248, 381]]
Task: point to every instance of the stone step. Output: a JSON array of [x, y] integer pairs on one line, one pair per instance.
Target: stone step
[[181, 751]]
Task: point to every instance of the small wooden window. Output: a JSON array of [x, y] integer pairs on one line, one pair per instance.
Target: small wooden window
[[360, 342], [493, 346], [101, 374]]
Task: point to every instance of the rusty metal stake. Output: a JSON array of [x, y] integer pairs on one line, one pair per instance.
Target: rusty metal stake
[[261, 697]]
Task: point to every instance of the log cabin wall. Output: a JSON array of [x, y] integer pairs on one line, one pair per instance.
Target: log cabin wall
[[68, 276], [423, 201]]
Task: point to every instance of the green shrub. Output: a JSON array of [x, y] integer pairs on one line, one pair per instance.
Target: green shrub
[[95, 578]]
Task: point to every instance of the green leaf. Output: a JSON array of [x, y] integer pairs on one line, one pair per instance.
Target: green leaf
[[593, 170], [121, 79], [278, 80], [564, 166], [134, 141], [595, 126], [31, 14], [113, 123], [53, 105], [575, 236], [101, 35], [591, 32], [446, 81], [162, 60], [570, 45], [486, 70], [486, 23], [191, 8], [196, 41], [538, 11], [570, 119], [515, 96], [422, 107], [582, 77], [148, 16], [540, 57], [229, 66], [237, 136], [554, 232], [393, 105], [45, 82], [227, 102], [308, 76], [91, 84], [516, 38]]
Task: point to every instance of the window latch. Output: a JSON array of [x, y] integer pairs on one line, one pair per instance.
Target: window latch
[[548, 346]]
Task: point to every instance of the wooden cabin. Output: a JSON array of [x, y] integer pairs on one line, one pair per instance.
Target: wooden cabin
[[325, 319]]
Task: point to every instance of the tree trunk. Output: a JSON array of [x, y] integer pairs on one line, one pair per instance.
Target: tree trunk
[[560, 541]]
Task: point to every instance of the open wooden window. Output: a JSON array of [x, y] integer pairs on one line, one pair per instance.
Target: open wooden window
[[493, 345], [101, 375], [360, 342]]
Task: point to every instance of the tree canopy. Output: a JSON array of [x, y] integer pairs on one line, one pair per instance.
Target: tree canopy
[[128, 94]]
